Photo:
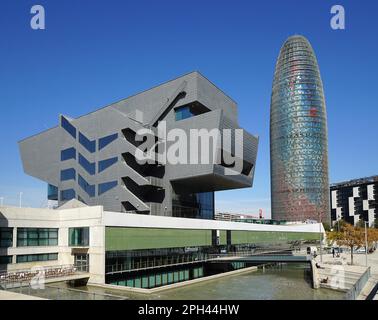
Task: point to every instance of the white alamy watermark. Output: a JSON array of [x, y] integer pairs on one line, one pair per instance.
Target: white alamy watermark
[[337, 275], [193, 146], [38, 20], [38, 281], [338, 19]]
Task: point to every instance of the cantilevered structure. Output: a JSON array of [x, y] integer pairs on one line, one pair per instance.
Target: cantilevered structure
[[95, 158]]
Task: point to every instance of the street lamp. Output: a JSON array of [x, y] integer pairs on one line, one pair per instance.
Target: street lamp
[[366, 244], [321, 236], [20, 199]]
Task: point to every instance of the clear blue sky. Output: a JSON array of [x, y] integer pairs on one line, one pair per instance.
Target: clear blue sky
[[96, 52]]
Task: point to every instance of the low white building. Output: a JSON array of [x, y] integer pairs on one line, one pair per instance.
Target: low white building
[[110, 244]]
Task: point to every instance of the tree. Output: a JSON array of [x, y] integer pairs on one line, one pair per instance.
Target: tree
[[372, 237], [349, 236], [360, 223], [326, 226]]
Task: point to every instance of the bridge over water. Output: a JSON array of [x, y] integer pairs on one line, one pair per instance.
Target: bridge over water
[[265, 258]]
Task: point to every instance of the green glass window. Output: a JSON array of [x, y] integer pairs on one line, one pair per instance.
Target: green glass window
[[137, 283], [176, 276], [78, 237], [6, 237], [36, 257], [152, 281], [158, 280], [164, 279], [145, 282], [130, 283], [27, 237]]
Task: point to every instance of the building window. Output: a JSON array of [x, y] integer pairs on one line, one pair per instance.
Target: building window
[[103, 142], [78, 237], [68, 174], [104, 164], [88, 188], [36, 257], [27, 237], [88, 166], [66, 125], [5, 259], [68, 154], [68, 194], [6, 237], [182, 113], [86, 143], [103, 187], [196, 205], [52, 192]]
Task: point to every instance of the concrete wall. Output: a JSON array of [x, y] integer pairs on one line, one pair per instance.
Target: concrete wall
[[63, 220]]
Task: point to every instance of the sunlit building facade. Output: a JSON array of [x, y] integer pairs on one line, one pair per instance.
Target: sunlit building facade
[[298, 136]]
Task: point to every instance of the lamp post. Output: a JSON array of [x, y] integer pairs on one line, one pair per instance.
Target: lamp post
[[321, 236], [20, 199], [366, 244]]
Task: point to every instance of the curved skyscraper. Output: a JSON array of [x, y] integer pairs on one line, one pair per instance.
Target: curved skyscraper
[[298, 136]]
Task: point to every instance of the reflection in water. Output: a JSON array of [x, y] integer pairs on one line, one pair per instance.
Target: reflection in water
[[288, 281]]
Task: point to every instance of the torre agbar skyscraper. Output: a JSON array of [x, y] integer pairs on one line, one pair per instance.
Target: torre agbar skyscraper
[[298, 136]]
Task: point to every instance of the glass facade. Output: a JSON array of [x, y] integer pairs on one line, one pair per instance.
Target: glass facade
[[52, 192], [36, 257], [106, 186], [103, 142], [78, 237], [88, 166], [27, 237], [88, 188], [66, 125], [104, 164], [68, 174], [6, 237], [298, 136], [182, 113], [86, 143], [68, 194], [68, 154], [5, 259], [196, 205]]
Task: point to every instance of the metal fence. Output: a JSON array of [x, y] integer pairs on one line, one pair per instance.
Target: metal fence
[[17, 278], [353, 292]]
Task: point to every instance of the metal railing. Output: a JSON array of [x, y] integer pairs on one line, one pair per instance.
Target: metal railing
[[165, 261], [169, 261], [24, 277], [353, 292]]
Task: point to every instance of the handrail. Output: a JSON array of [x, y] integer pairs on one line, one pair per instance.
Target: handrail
[[47, 272], [145, 265], [355, 290]]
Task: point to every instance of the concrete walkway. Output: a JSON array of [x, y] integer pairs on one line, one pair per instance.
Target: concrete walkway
[[359, 265], [8, 295]]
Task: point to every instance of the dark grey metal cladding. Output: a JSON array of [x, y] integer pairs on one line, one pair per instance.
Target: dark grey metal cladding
[[148, 191]]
